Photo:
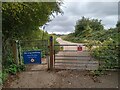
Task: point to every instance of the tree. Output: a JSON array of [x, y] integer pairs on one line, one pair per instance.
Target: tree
[[118, 26], [86, 24], [20, 18]]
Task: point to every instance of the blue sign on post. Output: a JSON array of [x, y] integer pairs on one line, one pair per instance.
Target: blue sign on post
[[32, 57], [51, 38]]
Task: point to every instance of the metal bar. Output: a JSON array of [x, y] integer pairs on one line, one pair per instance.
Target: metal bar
[[72, 59], [78, 51], [80, 65], [39, 45], [32, 40], [80, 44], [75, 63], [79, 56], [75, 51], [67, 45], [70, 56], [69, 51]]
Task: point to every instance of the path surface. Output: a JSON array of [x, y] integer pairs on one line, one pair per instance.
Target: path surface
[[37, 76], [71, 58], [63, 79]]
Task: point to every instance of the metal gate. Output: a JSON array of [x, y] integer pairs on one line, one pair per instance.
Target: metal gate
[[74, 56], [32, 45]]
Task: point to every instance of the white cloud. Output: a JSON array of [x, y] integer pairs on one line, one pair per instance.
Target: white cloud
[[92, 0], [105, 11]]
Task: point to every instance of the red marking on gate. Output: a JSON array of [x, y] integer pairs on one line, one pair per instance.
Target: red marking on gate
[[79, 48]]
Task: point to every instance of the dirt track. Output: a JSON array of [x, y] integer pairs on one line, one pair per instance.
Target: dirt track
[[37, 76], [41, 78]]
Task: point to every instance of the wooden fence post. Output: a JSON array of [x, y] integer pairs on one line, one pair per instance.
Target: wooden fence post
[[51, 53], [15, 52], [19, 53]]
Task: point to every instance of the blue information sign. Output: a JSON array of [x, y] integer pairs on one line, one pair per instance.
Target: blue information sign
[[32, 57]]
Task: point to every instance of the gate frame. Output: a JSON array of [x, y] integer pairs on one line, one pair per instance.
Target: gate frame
[[17, 50], [50, 57]]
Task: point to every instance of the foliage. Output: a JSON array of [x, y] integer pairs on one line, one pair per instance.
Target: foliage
[[21, 21], [108, 51], [85, 26], [38, 40], [0, 78], [56, 48], [105, 42], [98, 72], [7, 56], [12, 70], [4, 76], [72, 38], [20, 18]]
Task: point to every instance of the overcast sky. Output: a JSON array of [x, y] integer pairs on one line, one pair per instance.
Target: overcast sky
[[64, 24]]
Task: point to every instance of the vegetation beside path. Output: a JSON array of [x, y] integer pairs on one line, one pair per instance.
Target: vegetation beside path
[[92, 32], [21, 21]]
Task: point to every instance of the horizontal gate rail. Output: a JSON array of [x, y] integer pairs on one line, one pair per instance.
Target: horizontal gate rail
[[76, 63], [78, 56], [69, 56], [72, 58], [33, 40], [68, 45], [73, 51], [68, 51], [81, 45]]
